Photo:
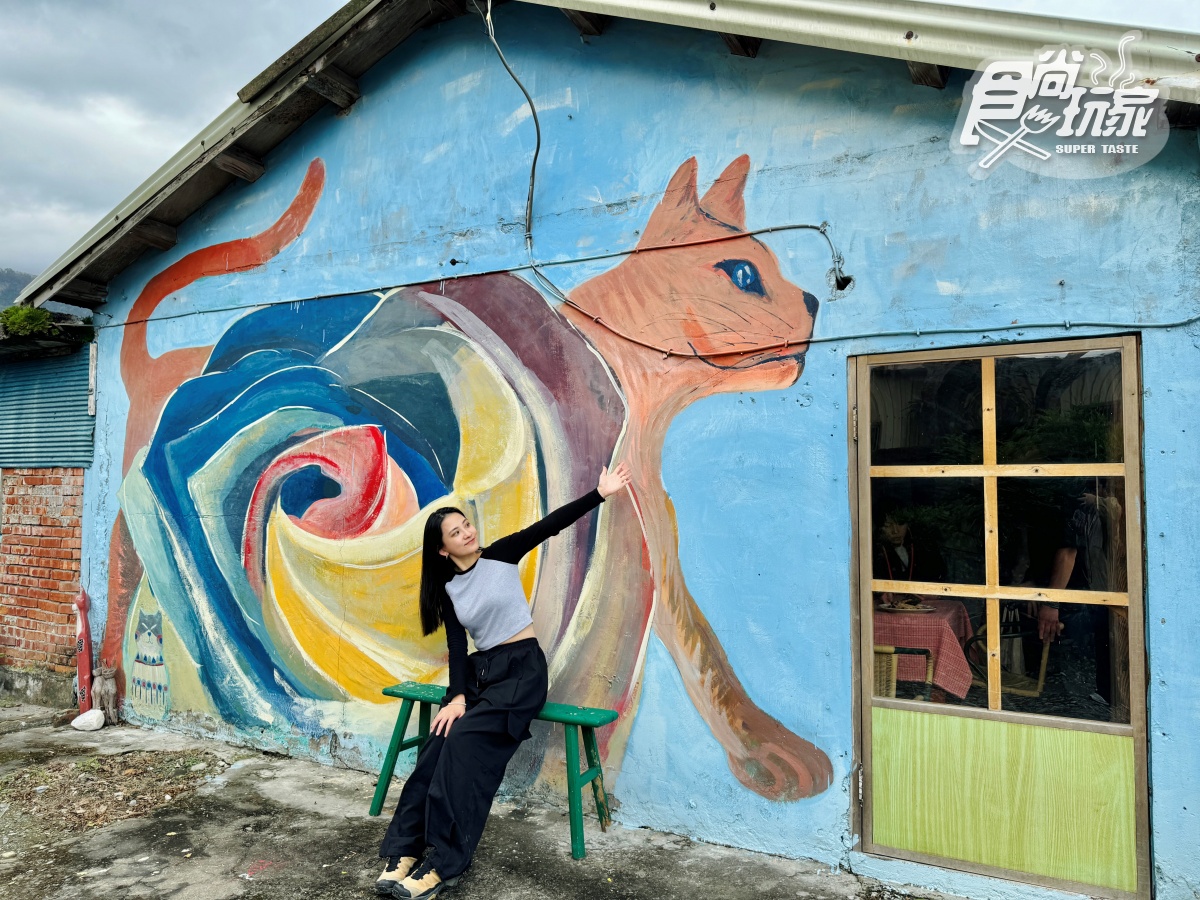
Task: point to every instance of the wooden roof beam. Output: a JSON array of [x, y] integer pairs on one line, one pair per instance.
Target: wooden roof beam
[[928, 74], [589, 24], [81, 292], [1182, 115], [741, 45], [287, 66], [237, 161], [334, 85], [157, 234]]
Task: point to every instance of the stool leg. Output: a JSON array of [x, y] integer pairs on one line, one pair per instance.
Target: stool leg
[[574, 791], [593, 761], [389, 758], [423, 720]]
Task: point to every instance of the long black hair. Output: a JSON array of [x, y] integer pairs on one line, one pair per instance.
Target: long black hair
[[436, 570]]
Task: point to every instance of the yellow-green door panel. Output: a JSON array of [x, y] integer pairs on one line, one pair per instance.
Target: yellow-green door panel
[[1045, 801]]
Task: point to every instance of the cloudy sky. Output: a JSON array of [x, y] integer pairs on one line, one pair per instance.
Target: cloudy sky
[[96, 94]]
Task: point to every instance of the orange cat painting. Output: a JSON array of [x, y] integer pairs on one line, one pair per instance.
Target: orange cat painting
[[710, 301]]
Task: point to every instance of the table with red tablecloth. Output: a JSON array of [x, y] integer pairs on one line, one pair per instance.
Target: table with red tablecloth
[[942, 632]]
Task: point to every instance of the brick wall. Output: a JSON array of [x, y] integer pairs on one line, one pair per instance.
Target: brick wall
[[40, 541]]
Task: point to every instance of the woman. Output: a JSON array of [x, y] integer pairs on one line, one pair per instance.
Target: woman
[[493, 696]]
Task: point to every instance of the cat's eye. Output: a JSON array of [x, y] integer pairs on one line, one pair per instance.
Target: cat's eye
[[743, 274]]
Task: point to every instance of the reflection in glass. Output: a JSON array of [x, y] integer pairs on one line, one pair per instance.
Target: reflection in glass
[[927, 414], [1059, 408], [928, 529], [919, 648], [1063, 533], [1080, 672]]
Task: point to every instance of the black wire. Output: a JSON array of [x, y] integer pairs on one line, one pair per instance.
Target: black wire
[[537, 125], [841, 281], [535, 266]]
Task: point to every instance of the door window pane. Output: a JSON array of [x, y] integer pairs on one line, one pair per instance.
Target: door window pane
[[1059, 408], [924, 649], [1082, 672], [928, 529], [1062, 533], [927, 414]]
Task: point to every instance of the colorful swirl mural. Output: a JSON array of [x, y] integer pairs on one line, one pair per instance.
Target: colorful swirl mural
[[273, 515], [277, 509]]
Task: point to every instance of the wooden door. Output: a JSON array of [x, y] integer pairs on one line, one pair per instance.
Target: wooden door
[[997, 497]]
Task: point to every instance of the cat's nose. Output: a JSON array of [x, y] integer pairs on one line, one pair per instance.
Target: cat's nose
[[811, 303]]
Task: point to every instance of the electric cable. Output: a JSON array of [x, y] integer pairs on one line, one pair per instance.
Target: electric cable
[[841, 281], [1018, 328], [536, 267]]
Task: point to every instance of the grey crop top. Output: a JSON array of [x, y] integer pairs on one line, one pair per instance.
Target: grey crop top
[[488, 600]]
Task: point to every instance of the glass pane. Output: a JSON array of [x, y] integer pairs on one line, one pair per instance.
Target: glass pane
[[928, 529], [927, 414], [912, 632], [1081, 673], [1063, 533], [1059, 408]]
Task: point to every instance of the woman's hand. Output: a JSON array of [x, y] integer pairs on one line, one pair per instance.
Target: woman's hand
[[611, 482], [448, 715]]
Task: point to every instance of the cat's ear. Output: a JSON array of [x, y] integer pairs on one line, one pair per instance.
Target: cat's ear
[[678, 205], [724, 200]]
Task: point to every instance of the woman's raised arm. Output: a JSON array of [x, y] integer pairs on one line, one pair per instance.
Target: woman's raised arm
[[512, 548]]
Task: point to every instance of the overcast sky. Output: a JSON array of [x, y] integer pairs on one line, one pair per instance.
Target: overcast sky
[[96, 94]]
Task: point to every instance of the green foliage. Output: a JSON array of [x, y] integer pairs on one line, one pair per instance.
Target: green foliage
[[27, 321], [954, 525], [960, 448], [1081, 433]]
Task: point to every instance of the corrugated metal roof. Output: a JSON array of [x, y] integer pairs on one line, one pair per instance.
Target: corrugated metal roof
[[44, 419], [364, 31], [956, 36]]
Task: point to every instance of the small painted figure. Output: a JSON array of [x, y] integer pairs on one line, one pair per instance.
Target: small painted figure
[[148, 677], [104, 692]]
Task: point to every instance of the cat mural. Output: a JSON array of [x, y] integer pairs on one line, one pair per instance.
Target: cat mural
[[713, 313], [276, 487], [149, 688]]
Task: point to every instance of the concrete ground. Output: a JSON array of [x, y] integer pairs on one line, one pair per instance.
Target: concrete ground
[[265, 826]]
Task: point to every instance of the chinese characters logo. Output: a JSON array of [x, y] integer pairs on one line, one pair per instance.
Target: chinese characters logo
[[1070, 112]]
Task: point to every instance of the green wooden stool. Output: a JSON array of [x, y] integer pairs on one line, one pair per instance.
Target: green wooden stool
[[572, 719]]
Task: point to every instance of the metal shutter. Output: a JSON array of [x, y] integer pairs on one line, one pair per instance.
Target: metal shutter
[[44, 418]]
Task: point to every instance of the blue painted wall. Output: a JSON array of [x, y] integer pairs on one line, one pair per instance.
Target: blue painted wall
[[433, 162]]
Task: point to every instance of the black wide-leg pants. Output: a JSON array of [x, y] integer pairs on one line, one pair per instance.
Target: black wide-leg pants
[[446, 799]]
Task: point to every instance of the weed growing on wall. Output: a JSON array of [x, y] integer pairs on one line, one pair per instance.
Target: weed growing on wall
[[28, 321]]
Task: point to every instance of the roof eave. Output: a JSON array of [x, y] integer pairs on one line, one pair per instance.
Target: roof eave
[[191, 154], [929, 33], [360, 21], [940, 34]]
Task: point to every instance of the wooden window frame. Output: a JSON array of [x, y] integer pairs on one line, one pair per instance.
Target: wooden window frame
[[864, 584]]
